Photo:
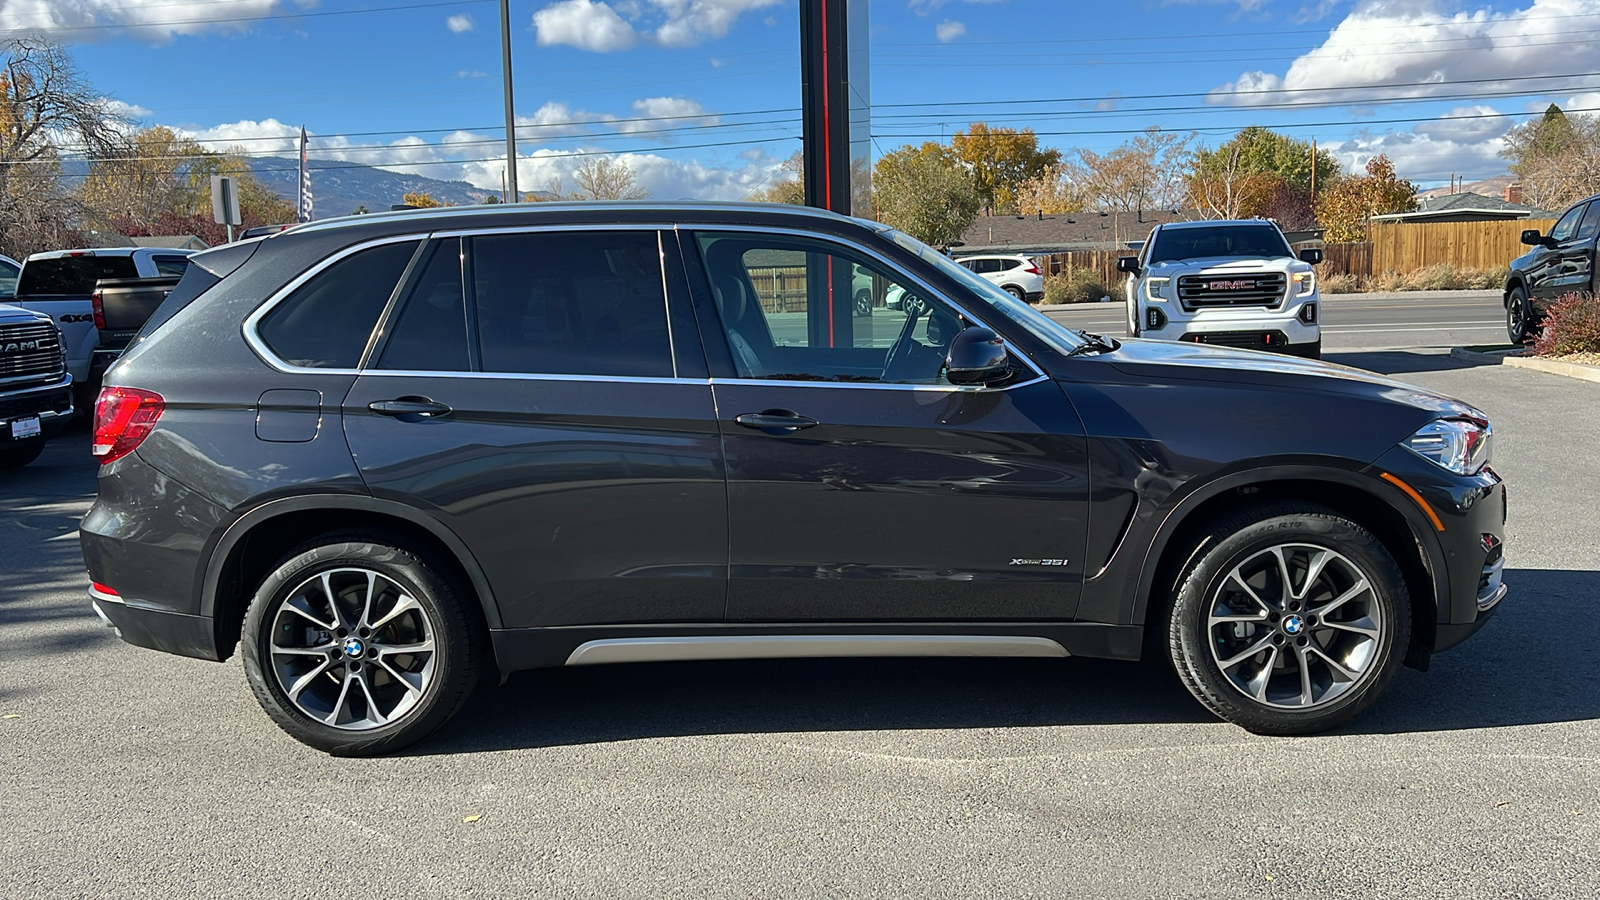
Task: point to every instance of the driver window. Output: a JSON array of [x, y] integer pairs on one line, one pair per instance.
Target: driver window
[[800, 310], [1567, 225]]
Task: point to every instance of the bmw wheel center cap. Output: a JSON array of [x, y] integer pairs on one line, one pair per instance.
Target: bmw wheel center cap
[[1292, 625], [353, 647]]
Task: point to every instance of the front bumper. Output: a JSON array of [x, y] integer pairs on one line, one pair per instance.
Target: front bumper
[[52, 403], [1462, 519]]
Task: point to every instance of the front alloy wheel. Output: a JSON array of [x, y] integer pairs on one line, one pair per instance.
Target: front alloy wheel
[[1290, 620], [357, 647], [1519, 319]]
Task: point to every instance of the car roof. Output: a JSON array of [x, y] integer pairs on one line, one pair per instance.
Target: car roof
[[513, 214], [108, 251], [1212, 223]]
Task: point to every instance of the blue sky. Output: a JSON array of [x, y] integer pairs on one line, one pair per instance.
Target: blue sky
[[702, 96]]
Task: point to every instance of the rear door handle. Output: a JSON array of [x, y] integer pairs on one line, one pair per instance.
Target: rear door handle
[[409, 408], [775, 421]]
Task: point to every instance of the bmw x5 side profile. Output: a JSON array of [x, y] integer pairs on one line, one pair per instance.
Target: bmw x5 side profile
[[394, 456]]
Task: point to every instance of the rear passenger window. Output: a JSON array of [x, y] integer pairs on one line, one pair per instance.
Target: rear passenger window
[[170, 265], [431, 333], [583, 303], [326, 322]]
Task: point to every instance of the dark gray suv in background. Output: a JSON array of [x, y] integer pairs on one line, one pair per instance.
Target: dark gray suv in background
[[396, 455]]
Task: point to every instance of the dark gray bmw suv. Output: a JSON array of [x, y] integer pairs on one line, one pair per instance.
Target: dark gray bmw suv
[[396, 455]]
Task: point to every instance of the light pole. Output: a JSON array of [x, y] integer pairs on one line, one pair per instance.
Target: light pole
[[511, 119]]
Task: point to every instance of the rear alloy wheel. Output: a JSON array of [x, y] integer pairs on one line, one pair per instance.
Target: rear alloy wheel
[[1519, 318], [357, 647], [1293, 621], [1016, 292], [863, 304], [17, 455]]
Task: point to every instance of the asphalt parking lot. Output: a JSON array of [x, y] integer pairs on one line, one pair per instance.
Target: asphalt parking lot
[[132, 773]]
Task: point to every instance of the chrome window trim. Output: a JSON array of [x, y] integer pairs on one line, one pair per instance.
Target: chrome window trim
[[507, 209], [519, 376], [1011, 349], [252, 322], [530, 229], [935, 388]]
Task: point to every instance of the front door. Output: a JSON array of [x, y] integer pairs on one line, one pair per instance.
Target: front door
[[527, 394], [861, 485], [1551, 273]]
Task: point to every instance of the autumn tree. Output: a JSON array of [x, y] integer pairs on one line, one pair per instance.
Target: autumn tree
[[606, 178], [925, 193], [1241, 177], [1146, 172], [421, 200], [1055, 190], [43, 100], [999, 161], [787, 186], [1346, 209], [1556, 157]]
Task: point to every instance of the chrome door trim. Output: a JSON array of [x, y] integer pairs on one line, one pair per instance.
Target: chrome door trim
[[803, 646]]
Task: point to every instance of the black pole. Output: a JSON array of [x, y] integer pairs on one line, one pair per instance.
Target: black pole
[[825, 103]]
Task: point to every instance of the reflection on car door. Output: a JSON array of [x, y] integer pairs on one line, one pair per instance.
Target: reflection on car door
[[1549, 274], [861, 485], [526, 390]]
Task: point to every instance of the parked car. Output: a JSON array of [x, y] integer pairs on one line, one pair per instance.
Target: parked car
[[121, 307], [1018, 275], [1562, 262], [1234, 283], [9, 268], [35, 389], [394, 455], [60, 284]]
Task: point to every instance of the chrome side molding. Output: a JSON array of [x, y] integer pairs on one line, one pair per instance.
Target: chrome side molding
[[787, 646]]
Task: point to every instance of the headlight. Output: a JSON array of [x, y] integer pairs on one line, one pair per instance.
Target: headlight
[[1304, 283], [1460, 445], [1154, 286]]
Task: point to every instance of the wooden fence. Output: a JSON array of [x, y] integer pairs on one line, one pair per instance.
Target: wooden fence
[[1101, 262]]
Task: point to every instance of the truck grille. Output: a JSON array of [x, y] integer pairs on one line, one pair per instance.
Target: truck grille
[[30, 352], [1250, 289], [58, 401]]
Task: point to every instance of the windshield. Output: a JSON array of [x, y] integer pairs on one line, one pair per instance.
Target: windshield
[[72, 274], [1059, 337], [1218, 240]]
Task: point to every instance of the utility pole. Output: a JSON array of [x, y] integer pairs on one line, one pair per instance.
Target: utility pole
[[1313, 172], [511, 119]]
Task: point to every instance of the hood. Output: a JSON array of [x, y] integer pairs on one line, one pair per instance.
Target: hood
[[1242, 263], [10, 314], [1157, 362]]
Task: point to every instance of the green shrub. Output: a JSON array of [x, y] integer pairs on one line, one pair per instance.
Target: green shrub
[[1075, 286], [1571, 325]]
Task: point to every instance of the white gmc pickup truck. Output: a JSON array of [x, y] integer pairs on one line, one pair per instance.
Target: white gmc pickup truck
[[1235, 283]]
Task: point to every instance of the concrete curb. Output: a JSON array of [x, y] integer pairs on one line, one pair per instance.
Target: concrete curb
[[1554, 367]]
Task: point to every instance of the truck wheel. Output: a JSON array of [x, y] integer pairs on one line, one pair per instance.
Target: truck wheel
[[1292, 622], [357, 647], [20, 454], [1519, 319], [1313, 351]]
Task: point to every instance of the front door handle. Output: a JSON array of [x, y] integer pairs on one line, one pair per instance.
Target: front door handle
[[409, 409], [775, 421]]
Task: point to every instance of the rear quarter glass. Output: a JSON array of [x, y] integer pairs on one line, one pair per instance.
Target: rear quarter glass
[[204, 271]]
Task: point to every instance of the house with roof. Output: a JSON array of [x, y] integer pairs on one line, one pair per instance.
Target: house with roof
[[1466, 206]]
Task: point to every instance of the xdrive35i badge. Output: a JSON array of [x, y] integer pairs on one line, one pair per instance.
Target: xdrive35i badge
[[1038, 562]]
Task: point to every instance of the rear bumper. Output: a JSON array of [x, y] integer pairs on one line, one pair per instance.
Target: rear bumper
[[156, 629]]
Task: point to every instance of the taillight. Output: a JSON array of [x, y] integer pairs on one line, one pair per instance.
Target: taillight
[[99, 310], [123, 418], [1032, 269]]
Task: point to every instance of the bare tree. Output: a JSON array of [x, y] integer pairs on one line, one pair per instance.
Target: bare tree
[[43, 99], [606, 178], [1143, 173]]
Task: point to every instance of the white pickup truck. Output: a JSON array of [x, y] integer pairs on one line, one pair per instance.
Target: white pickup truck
[[1234, 283], [60, 284]]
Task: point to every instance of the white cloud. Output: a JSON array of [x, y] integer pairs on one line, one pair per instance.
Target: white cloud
[[583, 24], [122, 110], [949, 30], [459, 24], [557, 119], [601, 27], [681, 113], [148, 19], [1436, 149], [1411, 42]]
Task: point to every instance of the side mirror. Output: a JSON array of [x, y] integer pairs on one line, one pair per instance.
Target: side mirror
[[1312, 255], [977, 356], [1129, 264], [1532, 238]]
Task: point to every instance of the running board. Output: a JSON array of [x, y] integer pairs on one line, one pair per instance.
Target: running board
[[669, 649]]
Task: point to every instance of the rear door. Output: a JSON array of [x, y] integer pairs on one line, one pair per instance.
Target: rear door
[[536, 392], [861, 485]]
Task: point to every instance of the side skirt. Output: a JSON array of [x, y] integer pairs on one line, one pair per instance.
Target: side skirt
[[534, 648]]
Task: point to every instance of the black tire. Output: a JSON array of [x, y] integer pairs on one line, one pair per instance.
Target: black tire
[[1017, 292], [1519, 316], [19, 454], [421, 690], [863, 304], [1312, 351], [1213, 657]]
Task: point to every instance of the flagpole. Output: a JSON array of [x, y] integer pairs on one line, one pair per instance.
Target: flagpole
[[303, 208]]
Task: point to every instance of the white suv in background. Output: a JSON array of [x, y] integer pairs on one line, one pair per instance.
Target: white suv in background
[[1236, 283], [1017, 274]]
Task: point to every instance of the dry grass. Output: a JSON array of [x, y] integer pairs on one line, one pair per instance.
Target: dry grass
[[1075, 286], [1440, 277]]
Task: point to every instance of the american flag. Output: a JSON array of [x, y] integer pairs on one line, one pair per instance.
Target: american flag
[[305, 181]]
